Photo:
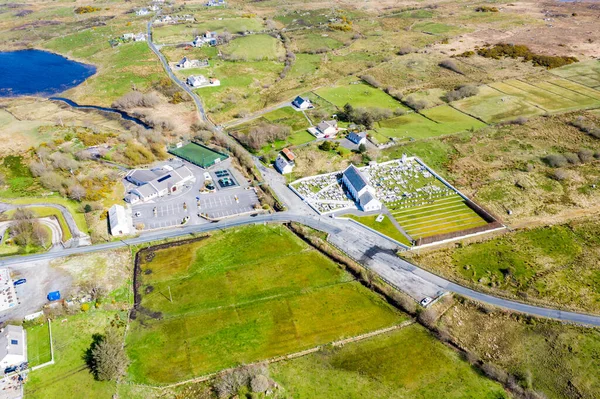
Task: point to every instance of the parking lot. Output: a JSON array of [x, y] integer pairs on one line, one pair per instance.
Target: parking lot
[[227, 203], [191, 206]]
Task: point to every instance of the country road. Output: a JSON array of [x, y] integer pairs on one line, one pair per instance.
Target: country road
[[379, 257]]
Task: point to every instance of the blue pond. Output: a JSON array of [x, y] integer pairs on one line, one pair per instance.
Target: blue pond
[[36, 72]]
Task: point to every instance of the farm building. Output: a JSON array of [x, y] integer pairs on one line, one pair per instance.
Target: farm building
[[13, 348], [119, 220], [302, 103], [359, 189]]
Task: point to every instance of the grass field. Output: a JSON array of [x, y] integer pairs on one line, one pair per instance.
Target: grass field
[[180, 33], [433, 122], [241, 296], [358, 95], [385, 227], [38, 345], [46, 211], [558, 265], [444, 215], [69, 376], [198, 154], [254, 48], [407, 363], [585, 73]]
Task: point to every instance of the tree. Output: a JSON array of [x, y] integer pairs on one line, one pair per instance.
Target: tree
[[106, 356], [77, 192], [87, 208], [362, 148], [326, 146]]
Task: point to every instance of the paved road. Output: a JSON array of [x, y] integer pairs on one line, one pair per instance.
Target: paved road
[[379, 257]]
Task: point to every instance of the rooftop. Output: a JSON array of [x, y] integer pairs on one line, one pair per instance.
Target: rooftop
[[355, 177]]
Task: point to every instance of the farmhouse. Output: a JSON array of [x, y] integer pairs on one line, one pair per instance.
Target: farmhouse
[[165, 181], [302, 103], [197, 80], [142, 12], [154, 7], [285, 162], [13, 348], [359, 189], [325, 129], [215, 3], [186, 63], [209, 38], [119, 220]]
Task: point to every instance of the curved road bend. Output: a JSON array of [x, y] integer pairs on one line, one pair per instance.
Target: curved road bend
[[332, 227]]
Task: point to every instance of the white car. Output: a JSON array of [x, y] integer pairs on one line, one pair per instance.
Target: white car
[[426, 301]]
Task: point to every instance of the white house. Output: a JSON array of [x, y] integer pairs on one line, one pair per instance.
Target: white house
[[285, 162], [184, 63], [197, 80], [359, 189], [140, 37], [119, 220], [302, 103], [215, 3], [325, 129], [210, 38], [13, 346], [142, 12], [154, 7]]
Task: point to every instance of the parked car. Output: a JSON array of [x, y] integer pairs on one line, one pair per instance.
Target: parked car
[[20, 281], [10, 369], [426, 301]]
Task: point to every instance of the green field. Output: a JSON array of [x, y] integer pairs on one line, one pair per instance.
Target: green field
[[385, 227], [242, 296], [493, 106], [444, 215], [433, 122], [69, 377], [358, 95], [254, 48], [38, 345], [406, 363], [585, 73], [198, 154]]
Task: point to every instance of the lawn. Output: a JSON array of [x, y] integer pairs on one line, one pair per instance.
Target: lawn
[[71, 205], [406, 363], [38, 345], [69, 376], [385, 227], [180, 33], [254, 48], [444, 215], [358, 95], [433, 122], [492, 106], [46, 211], [242, 296]]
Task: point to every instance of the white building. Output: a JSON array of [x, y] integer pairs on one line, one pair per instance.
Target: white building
[[285, 162], [197, 81], [119, 220], [302, 103], [142, 12], [157, 183], [325, 129], [8, 296], [357, 138], [360, 190], [13, 346], [215, 3]]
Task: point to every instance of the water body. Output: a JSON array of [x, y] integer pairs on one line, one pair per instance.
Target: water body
[[39, 73], [123, 114]]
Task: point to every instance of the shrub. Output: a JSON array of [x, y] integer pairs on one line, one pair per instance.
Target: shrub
[[486, 9], [586, 155], [520, 51], [86, 10], [262, 134], [417, 105], [572, 158], [450, 65], [85, 307], [136, 99], [370, 80], [558, 175], [555, 160], [461, 92], [405, 50]]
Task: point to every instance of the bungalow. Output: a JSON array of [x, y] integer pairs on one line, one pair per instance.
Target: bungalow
[[357, 138], [119, 220], [215, 3], [209, 38], [302, 103], [325, 129], [184, 63], [197, 80], [165, 19], [154, 7], [285, 161], [142, 12], [359, 189], [140, 37], [13, 348]]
